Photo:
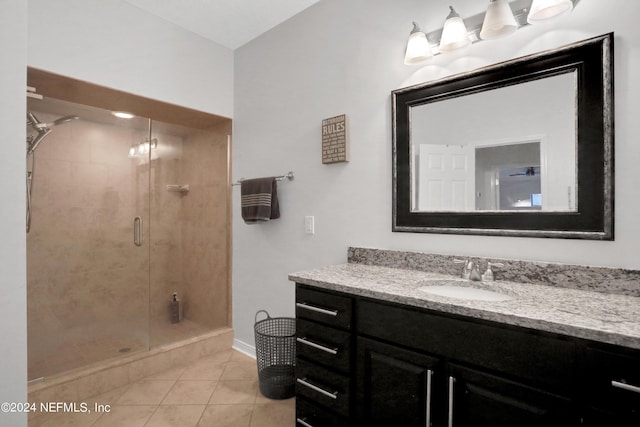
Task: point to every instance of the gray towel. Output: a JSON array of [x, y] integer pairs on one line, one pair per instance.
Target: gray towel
[[259, 200]]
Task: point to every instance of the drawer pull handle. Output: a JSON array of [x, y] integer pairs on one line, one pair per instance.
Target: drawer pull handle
[[305, 341], [303, 422], [317, 309], [306, 383], [625, 386]]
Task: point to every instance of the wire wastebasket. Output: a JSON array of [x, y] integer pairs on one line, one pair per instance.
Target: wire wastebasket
[[276, 355]]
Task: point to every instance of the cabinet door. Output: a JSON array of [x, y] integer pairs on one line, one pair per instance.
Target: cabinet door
[[612, 386], [479, 399], [598, 417], [395, 386]]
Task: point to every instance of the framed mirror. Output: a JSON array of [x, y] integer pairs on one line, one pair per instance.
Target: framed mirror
[[520, 148]]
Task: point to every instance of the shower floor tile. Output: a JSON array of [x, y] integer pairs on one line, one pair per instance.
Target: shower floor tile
[[77, 349], [216, 391]]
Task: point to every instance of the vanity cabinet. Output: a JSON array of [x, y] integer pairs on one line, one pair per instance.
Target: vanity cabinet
[[432, 370], [382, 363], [324, 355]]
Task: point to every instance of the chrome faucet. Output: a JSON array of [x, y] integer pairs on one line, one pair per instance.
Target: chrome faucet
[[470, 270]]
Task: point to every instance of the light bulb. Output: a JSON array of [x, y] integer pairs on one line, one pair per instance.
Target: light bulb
[[498, 21], [542, 10], [454, 34], [418, 49]]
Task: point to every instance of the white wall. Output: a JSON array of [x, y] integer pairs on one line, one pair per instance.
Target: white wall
[[346, 57], [115, 44], [110, 43], [13, 295]]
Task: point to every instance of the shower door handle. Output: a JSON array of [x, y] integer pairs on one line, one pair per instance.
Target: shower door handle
[[137, 231]]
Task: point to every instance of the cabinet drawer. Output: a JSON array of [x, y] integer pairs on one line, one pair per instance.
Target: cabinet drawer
[[309, 414], [323, 344], [612, 379], [510, 351], [324, 307], [323, 387]]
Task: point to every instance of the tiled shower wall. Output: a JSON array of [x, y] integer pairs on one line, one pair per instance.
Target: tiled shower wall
[[90, 290], [189, 230], [165, 233], [206, 227]]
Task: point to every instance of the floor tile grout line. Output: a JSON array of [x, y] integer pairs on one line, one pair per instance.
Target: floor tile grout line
[[151, 416], [236, 367]]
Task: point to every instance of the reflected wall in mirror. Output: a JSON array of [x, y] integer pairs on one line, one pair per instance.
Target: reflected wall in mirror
[[521, 148], [502, 134]]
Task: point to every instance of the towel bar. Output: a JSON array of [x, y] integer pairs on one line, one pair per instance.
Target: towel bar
[[288, 176]]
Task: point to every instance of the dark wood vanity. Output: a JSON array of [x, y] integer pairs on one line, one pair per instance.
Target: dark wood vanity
[[367, 362]]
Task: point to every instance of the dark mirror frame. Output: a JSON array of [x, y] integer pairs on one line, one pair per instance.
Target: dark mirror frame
[[592, 60]]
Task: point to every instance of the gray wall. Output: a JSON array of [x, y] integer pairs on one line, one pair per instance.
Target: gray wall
[[115, 44], [346, 57], [13, 299]]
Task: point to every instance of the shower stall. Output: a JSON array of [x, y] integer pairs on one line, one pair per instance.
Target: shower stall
[[124, 214]]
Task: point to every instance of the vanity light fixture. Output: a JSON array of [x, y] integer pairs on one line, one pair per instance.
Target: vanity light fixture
[[143, 148], [501, 18], [542, 10], [454, 33], [418, 48], [498, 21]]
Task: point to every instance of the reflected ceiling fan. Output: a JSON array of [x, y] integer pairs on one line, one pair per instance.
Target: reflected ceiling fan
[[528, 171]]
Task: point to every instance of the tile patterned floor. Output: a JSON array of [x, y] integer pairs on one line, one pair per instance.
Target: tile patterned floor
[[217, 391]]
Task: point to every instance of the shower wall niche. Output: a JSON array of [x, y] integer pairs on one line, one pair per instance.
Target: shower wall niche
[[93, 292]]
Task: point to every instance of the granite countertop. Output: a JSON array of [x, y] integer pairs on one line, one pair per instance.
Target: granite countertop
[[609, 318]]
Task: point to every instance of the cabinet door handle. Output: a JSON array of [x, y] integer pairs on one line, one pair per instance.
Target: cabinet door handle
[[429, 375], [303, 422], [316, 309], [305, 382], [452, 381], [625, 386], [305, 341]]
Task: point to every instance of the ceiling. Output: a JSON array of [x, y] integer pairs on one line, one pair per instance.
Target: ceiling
[[230, 23]]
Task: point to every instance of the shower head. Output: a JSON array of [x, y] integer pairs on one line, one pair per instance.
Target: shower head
[[43, 129], [64, 120], [60, 121]]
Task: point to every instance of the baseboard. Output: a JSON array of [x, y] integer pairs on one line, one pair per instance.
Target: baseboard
[[245, 348]]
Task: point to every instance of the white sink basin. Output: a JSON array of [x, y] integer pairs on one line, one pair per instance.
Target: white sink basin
[[461, 291]]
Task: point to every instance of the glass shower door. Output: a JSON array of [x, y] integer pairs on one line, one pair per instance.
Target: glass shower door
[[87, 249]]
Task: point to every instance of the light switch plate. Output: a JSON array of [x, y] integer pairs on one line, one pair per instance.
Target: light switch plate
[[309, 225]]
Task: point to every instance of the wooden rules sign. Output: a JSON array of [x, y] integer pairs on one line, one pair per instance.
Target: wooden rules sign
[[335, 147]]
